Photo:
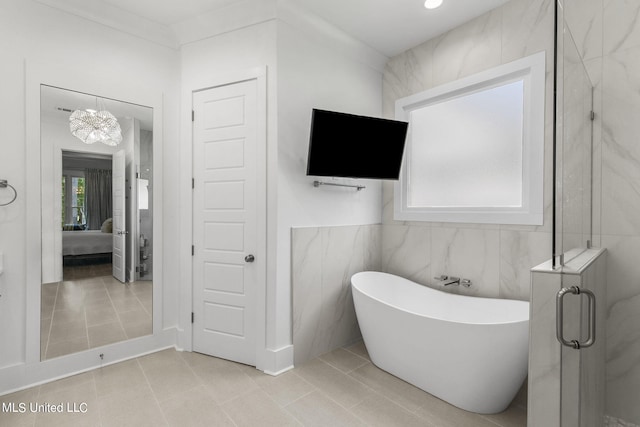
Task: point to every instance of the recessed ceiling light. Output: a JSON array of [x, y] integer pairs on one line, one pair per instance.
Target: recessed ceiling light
[[432, 4]]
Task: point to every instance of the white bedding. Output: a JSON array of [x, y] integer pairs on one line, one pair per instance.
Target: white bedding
[[86, 242]]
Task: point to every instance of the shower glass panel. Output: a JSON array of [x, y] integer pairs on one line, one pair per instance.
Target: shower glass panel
[[574, 152], [581, 370]]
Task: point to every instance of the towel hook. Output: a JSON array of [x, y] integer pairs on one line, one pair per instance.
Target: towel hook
[[4, 184]]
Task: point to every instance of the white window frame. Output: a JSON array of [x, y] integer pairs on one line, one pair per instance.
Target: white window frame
[[531, 70], [69, 174]]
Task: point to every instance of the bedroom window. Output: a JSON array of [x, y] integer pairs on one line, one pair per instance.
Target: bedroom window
[[73, 201]]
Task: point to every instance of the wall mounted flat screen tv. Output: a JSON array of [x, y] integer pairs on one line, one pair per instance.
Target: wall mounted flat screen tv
[[351, 146]]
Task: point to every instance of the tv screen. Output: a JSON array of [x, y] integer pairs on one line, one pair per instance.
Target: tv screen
[[346, 145]]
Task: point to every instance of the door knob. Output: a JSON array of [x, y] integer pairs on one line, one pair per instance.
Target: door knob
[[249, 258]]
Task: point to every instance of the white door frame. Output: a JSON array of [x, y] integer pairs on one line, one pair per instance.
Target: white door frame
[[185, 337], [118, 194]]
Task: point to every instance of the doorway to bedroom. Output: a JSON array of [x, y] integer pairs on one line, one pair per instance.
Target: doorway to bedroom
[[86, 216]]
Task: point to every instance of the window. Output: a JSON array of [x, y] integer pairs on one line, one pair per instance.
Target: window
[[475, 148], [73, 200]]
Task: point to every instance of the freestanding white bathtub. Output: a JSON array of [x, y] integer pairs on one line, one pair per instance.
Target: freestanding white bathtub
[[471, 352]]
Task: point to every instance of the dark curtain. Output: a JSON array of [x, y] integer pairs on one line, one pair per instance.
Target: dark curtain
[[98, 197]]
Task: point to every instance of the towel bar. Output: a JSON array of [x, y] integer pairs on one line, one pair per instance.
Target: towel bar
[[319, 183], [5, 184]]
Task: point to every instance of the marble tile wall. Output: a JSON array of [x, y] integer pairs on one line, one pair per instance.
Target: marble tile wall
[[496, 261], [496, 258], [608, 35], [323, 261], [544, 366]]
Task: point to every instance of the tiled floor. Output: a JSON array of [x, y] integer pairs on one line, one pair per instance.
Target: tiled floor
[[86, 271], [170, 388], [85, 313]]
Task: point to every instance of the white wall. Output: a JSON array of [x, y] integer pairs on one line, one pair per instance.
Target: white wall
[[33, 35], [12, 223], [325, 69]]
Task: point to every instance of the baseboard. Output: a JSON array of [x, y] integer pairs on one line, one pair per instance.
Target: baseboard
[[22, 376], [278, 361]]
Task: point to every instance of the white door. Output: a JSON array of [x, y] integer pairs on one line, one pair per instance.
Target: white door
[[227, 257], [119, 215]]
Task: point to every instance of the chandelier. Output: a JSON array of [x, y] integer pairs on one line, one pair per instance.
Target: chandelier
[[90, 126]]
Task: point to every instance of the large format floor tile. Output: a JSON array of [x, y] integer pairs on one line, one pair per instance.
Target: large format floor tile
[[170, 388]]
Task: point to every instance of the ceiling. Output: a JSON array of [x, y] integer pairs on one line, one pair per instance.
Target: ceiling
[[53, 100], [169, 12], [388, 26], [393, 26]]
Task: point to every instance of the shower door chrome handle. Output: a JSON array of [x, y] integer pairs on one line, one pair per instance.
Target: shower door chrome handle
[[575, 290]]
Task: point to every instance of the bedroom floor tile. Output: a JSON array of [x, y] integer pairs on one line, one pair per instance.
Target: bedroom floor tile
[[84, 313]]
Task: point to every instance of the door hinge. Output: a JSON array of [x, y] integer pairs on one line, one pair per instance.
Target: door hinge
[[192, 317], [592, 115], [193, 250], [193, 183], [137, 269], [137, 175], [193, 116]]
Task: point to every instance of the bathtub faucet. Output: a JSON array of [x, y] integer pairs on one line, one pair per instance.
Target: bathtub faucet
[[446, 280]]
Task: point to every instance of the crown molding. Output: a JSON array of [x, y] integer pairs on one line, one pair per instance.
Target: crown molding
[[118, 19], [327, 34], [234, 16]]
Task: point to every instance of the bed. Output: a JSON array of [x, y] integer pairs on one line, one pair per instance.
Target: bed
[[86, 245]]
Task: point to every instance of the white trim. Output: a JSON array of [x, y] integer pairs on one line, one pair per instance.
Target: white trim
[[21, 376], [280, 360], [104, 13], [327, 34], [237, 15], [532, 71], [185, 336], [33, 238], [33, 369]]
